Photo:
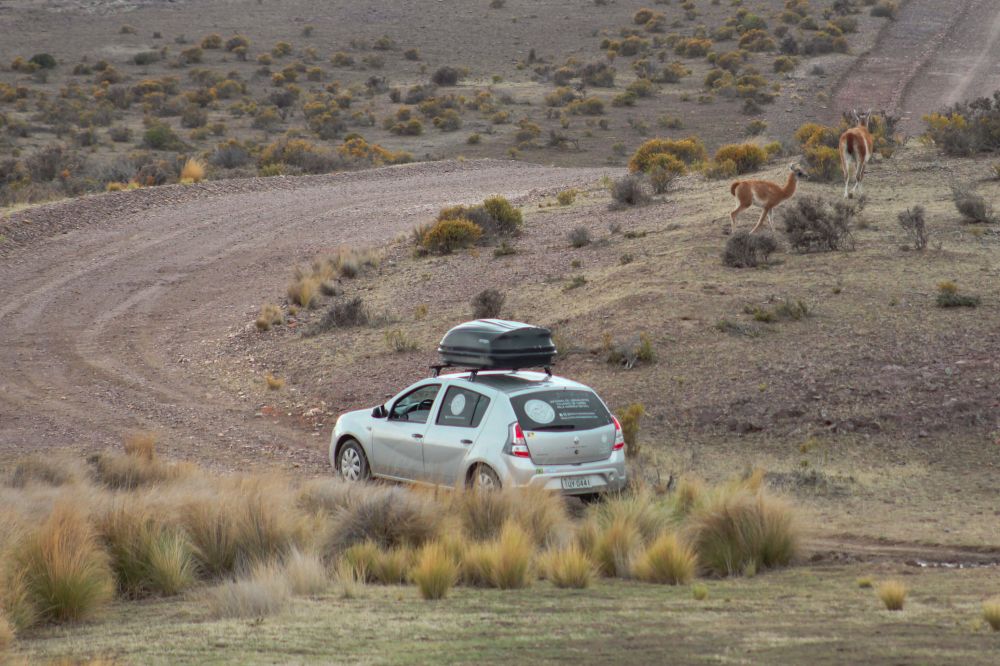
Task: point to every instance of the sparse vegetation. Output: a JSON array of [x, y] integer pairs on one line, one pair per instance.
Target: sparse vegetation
[[436, 572], [972, 206], [913, 223], [487, 304], [630, 419], [630, 190], [814, 225], [949, 297], [746, 250], [991, 613]]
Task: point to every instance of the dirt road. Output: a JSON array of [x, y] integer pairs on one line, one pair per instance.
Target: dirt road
[[112, 307], [933, 55]]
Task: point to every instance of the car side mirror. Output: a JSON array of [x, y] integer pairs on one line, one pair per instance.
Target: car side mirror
[[380, 412]]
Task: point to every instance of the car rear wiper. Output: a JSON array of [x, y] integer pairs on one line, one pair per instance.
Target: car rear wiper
[[564, 426]]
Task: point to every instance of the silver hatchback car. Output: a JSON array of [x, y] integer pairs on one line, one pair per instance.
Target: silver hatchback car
[[489, 429]]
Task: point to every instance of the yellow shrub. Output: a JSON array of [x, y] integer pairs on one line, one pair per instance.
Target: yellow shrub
[[667, 560], [823, 162], [446, 236], [746, 156], [814, 134], [892, 593], [688, 151]]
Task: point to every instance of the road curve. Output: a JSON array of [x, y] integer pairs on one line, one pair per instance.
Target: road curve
[[111, 307], [934, 54]]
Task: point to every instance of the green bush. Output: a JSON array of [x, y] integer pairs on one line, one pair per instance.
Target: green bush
[[689, 151]]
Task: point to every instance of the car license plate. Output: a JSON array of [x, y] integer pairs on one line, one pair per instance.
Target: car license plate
[[575, 482]]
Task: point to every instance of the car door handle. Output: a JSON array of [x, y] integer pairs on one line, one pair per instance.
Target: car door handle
[[466, 441], [417, 436]]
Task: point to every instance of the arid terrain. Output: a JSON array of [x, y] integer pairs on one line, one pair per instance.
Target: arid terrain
[[877, 413]]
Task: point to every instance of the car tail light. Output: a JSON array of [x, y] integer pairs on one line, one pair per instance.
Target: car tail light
[[619, 435], [517, 445]]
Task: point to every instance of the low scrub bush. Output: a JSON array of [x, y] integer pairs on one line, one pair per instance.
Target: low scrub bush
[[885, 9], [814, 225], [435, 571], [399, 342], [630, 418], [949, 297], [139, 466], [579, 237], [973, 207], [746, 250], [505, 563], [487, 304], [343, 314], [689, 151], [746, 156], [667, 560], [46, 470], [892, 594], [913, 223], [392, 566], [566, 197], [303, 291], [507, 220], [66, 573], [616, 547], [630, 190], [966, 128], [446, 76], [446, 236]]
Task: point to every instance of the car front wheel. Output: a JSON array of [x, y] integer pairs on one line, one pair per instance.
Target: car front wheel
[[352, 463]]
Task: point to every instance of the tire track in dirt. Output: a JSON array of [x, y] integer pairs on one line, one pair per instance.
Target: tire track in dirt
[[932, 55], [111, 315], [837, 548]]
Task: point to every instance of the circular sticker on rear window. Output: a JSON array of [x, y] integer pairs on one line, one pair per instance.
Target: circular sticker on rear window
[[457, 404], [540, 411]]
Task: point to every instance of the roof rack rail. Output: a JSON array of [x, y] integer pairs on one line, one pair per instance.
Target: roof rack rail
[[474, 372]]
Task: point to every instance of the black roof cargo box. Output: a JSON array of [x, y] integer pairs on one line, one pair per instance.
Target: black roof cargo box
[[497, 344]]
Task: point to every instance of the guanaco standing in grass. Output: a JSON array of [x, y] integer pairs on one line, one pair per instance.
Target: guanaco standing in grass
[[765, 194], [856, 146]]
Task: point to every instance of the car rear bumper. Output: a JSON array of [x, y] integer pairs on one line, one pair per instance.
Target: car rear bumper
[[595, 477]]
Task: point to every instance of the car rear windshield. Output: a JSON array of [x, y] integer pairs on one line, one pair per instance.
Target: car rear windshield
[[560, 410]]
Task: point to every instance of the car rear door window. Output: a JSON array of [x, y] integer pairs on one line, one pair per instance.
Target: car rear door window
[[560, 410], [462, 408]]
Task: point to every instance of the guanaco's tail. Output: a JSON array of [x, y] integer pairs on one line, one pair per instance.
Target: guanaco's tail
[[732, 188]]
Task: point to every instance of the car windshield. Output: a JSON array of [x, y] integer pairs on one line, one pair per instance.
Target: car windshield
[[560, 410]]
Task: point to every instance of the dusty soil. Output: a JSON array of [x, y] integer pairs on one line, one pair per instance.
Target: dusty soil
[[113, 306], [927, 59]]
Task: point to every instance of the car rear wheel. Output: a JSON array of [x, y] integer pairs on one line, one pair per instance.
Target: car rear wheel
[[352, 463], [484, 478]]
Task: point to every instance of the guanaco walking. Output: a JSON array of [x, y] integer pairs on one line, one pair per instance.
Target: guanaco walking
[[765, 194], [856, 145]]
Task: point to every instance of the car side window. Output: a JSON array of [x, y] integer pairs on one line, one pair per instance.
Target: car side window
[[415, 406], [462, 408]]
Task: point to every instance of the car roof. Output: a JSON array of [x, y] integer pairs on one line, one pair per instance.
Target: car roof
[[510, 382]]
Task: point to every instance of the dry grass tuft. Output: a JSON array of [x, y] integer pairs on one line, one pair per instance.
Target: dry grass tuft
[[392, 567], [302, 291], [305, 573], [737, 528], [274, 383], [348, 581], [148, 556], [6, 632], [892, 593], [47, 470], [511, 557], [270, 315], [667, 560], [541, 513], [568, 567], [362, 558], [66, 573], [193, 170], [616, 547], [265, 593], [435, 572], [389, 517], [991, 613], [637, 508], [699, 591], [141, 445]]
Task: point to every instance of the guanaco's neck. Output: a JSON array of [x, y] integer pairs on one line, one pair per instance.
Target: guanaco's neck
[[790, 185]]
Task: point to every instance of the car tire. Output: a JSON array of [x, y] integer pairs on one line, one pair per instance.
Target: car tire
[[485, 479], [352, 462], [591, 498]]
